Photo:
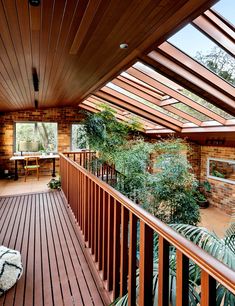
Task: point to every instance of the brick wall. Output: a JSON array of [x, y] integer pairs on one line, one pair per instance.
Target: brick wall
[[63, 116], [194, 157], [223, 193]]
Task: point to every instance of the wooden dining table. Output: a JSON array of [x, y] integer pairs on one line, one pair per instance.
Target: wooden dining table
[[17, 158]]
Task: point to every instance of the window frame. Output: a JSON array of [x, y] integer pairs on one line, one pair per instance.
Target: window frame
[[215, 177], [33, 122], [71, 141]]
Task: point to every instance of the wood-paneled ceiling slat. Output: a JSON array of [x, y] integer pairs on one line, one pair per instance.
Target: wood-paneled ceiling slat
[[74, 45]]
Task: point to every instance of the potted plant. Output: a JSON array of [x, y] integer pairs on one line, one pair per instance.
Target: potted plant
[[201, 194], [54, 184]]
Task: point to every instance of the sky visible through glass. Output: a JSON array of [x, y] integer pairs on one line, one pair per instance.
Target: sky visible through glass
[[226, 8], [198, 41]]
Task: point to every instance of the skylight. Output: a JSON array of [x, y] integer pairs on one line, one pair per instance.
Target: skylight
[[186, 93], [203, 50], [145, 102], [226, 9]]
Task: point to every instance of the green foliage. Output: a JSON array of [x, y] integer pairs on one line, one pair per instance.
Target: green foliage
[[218, 61], [173, 188], [222, 249], [54, 184], [133, 161], [106, 134], [168, 194]]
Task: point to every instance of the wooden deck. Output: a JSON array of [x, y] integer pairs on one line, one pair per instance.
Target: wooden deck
[[55, 269]]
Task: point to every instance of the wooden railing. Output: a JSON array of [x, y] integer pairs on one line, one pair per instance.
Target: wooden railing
[[90, 161], [108, 221]]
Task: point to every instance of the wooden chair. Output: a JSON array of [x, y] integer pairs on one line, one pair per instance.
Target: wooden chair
[[31, 164]]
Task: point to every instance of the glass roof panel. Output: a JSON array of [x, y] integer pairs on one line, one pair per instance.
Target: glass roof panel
[[226, 9], [208, 105], [206, 52], [186, 92], [191, 111], [145, 102]]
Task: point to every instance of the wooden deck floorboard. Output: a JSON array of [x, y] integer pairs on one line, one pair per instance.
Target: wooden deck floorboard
[[55, 268]]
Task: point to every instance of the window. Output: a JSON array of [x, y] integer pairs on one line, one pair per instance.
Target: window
[[35, 137], [221, 170], [78, 137]]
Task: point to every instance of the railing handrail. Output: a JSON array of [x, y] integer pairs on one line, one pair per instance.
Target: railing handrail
[[219, 271], [90, 151]]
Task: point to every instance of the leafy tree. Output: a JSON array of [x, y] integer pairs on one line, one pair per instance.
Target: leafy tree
[[172, 188], [167, 194], [219, 62]]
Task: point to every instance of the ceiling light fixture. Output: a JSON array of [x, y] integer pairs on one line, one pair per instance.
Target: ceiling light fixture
[[35, 80], [123, 46], [34, 2]]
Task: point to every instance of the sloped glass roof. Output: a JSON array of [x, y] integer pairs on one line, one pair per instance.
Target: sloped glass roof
[[226, 8], [205, 51], [168, 90]]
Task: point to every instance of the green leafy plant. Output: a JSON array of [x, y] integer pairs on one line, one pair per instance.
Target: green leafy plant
[[54, 184], [222, 249], [172, 188]]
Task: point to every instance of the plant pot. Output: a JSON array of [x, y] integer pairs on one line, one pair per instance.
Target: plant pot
[[203, 204]]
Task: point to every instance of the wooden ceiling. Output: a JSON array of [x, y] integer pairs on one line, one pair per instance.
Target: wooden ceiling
[[74, 45]]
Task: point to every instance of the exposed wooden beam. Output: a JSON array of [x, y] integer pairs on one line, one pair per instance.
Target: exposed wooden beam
[[141, 105], [188, 73], [214, 27], [146, 76], [145, 112]]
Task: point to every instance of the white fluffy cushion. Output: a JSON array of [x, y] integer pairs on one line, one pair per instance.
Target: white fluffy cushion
[[11, 268]]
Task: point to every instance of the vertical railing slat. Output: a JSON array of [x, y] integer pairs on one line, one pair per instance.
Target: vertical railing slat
[[208, 289], [163, 272], [100, 229], [124, 250], [96, 221], [116, 250], [145, 265], [105, 234], [132, 260], [182, 279], [110, 243]]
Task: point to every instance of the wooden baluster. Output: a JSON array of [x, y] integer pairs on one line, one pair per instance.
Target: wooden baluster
[[67, 181], [100, 229], [87, 208], [110, 243], [107, 174], [82, 197], [116, 250], [111, 176], [182, 279], [132, 261], [97, 195], [78, 193], [74, 157], [208, 289], [90, 194], [124, 251], [163, 268], [105, 234], [146, 265], [92, 230]]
